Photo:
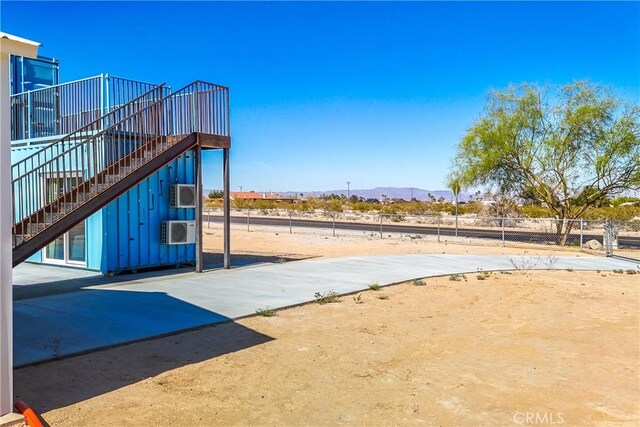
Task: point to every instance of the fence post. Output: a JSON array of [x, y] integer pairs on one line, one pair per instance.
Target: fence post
[[248, 220], [581, 233], [503, 241], [290, 229], [381, 226], [334, 224]]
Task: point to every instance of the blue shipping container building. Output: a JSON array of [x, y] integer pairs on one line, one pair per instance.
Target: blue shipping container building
[[110, 116]]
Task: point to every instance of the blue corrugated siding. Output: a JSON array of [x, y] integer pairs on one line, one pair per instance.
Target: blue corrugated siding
[[132, 222], [126, 234]]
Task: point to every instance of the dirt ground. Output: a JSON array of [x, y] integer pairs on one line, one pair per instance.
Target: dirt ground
[[504, 350], [309, 242]]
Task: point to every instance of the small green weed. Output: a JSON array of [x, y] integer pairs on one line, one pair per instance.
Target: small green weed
[[266, 312], [358, 299], [457, 277], [374, 287], [326, 297], [161, 381], [630, 271], [419, 282], [618, 271], [383, 297]]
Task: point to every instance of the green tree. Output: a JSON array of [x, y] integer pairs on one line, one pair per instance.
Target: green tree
[[568, 152], [215, 194]]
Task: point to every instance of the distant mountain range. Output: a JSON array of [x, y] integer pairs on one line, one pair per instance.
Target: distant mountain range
[[389, 192]]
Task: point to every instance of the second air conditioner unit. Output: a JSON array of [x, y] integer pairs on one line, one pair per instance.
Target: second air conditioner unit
[[183, 196], [178, 232]]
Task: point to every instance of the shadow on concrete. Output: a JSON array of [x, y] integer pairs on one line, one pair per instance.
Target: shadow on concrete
[[82, 322], [52, 280]]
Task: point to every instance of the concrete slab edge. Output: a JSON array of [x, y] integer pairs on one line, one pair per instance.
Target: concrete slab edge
[[12, 420]]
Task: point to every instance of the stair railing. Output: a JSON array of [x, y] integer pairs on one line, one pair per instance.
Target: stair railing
[[50, 172], [56, 110], [119, 149]]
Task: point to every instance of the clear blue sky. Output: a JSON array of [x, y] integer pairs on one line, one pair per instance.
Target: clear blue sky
[[322, 93]]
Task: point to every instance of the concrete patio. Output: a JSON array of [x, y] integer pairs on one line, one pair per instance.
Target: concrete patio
[[86, 312]]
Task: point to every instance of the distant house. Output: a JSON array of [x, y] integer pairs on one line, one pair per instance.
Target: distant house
[[255, 196], [396, 200], [374, 201]]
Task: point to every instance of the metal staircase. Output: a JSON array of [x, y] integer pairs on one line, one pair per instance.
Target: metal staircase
[[109, 156]]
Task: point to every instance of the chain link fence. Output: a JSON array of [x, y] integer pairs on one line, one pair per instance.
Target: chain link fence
[[601, 236]]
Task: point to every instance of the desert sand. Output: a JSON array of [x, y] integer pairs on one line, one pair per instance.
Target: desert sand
[[486, 349], [309, 242]]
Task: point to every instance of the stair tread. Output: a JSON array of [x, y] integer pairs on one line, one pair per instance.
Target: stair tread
[[45, 217]]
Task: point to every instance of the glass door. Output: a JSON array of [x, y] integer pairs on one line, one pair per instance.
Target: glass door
[[69, 248]]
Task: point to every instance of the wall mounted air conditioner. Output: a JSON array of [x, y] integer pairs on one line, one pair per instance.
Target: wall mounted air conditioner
[[178, 232], [183, 196]]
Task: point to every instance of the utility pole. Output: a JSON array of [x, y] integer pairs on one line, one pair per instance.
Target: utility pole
[[241, 188], [348, 190]]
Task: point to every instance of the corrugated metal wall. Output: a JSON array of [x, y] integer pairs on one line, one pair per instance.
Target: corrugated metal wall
[[132, 223]]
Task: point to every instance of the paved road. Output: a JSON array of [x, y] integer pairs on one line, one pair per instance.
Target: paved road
[[478, 233]]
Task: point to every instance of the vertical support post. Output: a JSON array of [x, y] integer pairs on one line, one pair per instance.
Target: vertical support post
[[226, 209], [6, 253], [581, 233], [503, 241], [29, 114], [334, 225], [198, 158], [290, 225], [25, 48], [194, 106], [103, 98]]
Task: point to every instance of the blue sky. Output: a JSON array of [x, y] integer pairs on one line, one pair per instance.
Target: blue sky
[[377, 93]]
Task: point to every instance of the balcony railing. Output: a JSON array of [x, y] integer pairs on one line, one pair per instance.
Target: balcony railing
[[61, 109], [101, 155]]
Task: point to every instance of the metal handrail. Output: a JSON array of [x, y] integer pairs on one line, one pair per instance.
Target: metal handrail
[[53, 110], [78, 133], [29, 188], [58, 109], [97, 133], [56, 86], [142, 131]]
